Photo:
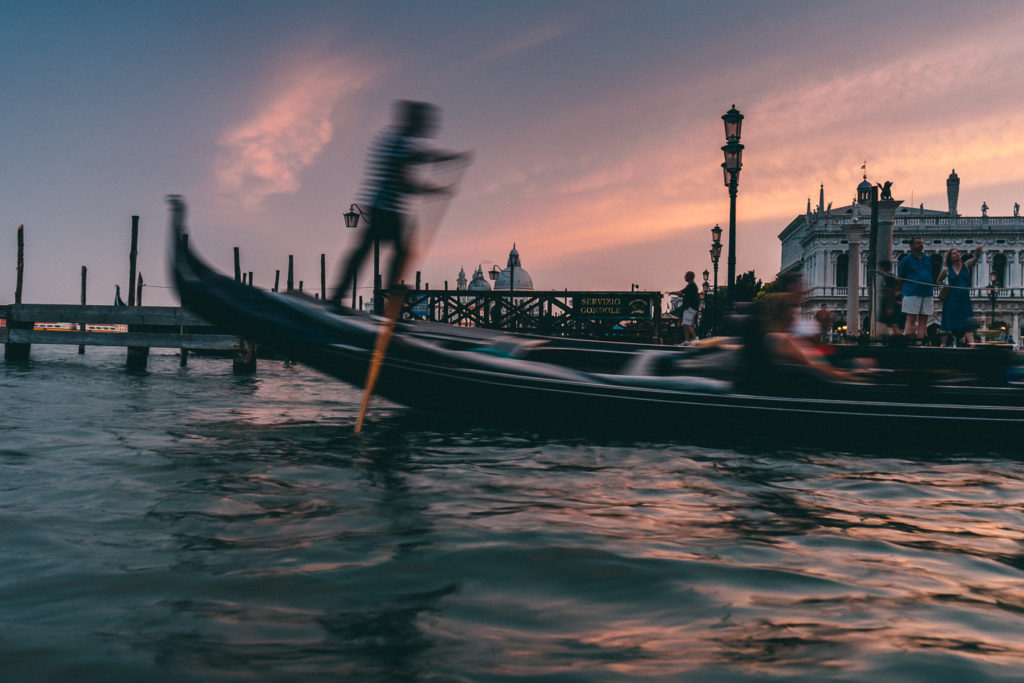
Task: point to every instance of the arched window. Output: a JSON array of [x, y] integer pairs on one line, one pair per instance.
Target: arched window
[[842, 270], [999, 268]]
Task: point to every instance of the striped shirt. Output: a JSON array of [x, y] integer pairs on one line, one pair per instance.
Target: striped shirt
[[387, 175]]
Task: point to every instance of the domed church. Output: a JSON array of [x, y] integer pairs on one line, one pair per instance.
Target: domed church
[[479, 283], [514, 274]]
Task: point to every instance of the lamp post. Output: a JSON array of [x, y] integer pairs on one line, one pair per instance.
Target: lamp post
[[733, 151], [352, 221], [493, 273], [706, 288], [993, 294], [716, 253]]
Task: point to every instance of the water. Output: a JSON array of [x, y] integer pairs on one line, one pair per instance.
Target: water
[[186, 524]]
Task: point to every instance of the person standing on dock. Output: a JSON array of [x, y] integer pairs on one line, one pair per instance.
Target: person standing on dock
[[957, 310], [688, 309], [915, 269], [390, 182]]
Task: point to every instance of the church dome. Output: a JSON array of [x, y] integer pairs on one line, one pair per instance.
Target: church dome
[[479, 282], [514, 274]]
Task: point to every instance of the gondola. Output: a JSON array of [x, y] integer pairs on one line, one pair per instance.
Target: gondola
[[487, 377]]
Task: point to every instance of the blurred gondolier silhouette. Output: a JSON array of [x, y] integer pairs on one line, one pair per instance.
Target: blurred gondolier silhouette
[[390, 182]]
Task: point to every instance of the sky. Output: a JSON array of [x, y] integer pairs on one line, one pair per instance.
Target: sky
[[595, 128]]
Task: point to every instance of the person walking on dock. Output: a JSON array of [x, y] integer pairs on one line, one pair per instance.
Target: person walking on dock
[[915, 269], [390, 182]]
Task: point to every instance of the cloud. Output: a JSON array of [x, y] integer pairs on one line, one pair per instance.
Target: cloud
[[266, 154], [526, 41]]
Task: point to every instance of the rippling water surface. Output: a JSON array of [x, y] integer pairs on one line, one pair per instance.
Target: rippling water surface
[[186, 524]]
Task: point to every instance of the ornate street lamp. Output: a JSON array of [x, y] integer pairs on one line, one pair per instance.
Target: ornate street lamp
[[993, 294], [716, 253], [733, 151], [352, 216]]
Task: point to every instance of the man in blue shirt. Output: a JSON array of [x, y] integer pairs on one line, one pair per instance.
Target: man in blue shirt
[[915, 269]]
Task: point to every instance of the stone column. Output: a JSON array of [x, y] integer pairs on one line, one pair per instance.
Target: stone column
[[883, 252], [854, 235], [823, 270]]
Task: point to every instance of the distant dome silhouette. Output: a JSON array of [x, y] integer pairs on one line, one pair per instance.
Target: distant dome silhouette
[[479, 282], [515, 274]]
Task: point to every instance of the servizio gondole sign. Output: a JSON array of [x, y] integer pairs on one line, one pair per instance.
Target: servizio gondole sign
[[617, 306]]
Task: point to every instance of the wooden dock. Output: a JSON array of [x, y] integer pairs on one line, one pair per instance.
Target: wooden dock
[[147, 327]]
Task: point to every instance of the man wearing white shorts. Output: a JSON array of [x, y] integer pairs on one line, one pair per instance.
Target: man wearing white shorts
[[691, 302], [915, 269]]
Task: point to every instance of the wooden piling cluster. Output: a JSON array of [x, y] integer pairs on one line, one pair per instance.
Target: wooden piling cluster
[[147, 326]]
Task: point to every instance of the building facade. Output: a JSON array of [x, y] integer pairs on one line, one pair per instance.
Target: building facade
[[818, 244]]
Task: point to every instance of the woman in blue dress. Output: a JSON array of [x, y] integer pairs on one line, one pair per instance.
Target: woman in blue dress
[[957, 310]]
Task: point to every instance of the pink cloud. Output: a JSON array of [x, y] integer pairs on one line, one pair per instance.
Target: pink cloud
[[266, 154]]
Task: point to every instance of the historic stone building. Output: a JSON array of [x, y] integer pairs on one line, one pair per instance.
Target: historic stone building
[[820, 243]]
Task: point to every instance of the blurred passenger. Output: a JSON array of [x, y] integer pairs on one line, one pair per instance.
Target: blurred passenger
[[889, 315], [776, 359]]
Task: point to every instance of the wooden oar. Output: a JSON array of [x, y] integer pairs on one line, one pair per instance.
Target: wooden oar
[[396, 295], [387, 328]]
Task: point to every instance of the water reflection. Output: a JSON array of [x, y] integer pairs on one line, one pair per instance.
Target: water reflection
[[201, 527]]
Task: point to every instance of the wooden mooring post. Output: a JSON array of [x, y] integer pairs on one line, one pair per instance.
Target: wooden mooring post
[[81, 326], [18, 351], [138, 356], [244, 360]]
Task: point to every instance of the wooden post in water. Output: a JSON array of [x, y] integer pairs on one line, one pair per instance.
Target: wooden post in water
[[244, 361], [277, 279], [19, 351], [138, 356], [81, 326], [183, 357], [21, 264], [132, 257], [291, 272], [323, 276]]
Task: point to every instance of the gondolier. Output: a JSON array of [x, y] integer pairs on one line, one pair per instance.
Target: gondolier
[[390, 181]]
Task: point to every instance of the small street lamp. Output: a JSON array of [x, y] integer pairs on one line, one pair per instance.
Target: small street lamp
[[352, 216], [993, 294], [704, 298], [733, 152], [716, 253]]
